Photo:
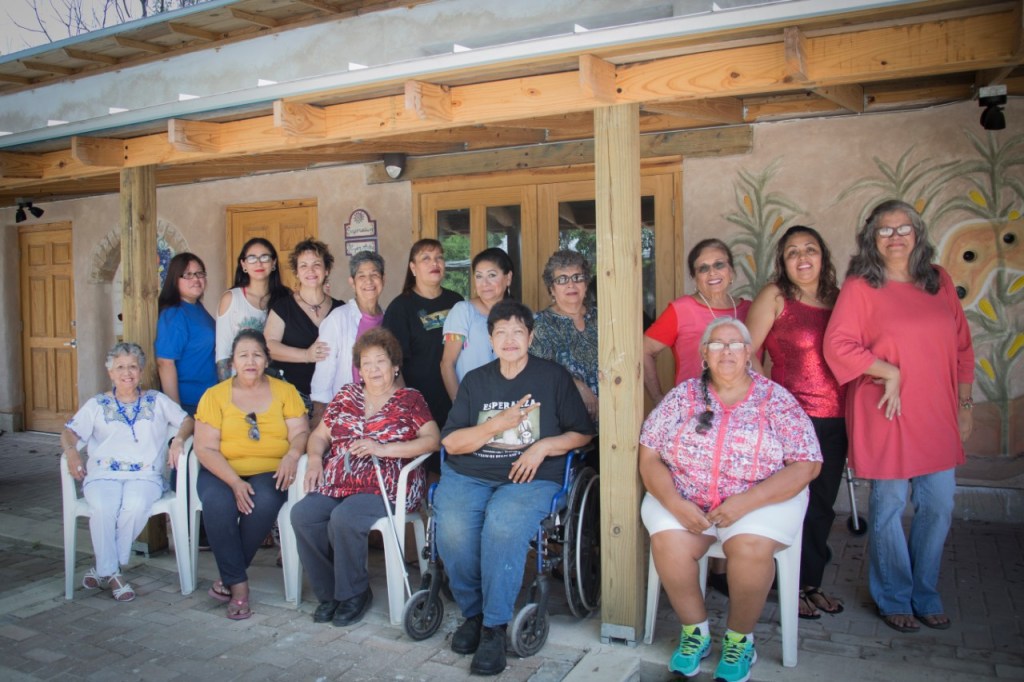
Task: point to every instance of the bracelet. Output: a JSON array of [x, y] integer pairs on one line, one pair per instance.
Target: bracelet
[[966, 403]]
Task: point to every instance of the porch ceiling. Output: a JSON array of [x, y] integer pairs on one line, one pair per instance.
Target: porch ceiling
[[903, 57]]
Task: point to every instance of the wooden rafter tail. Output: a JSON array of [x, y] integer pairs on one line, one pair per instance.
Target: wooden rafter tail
[[300, 120], [194, 136], [428, 101], [97, 151], [597, 79], [20, 166], [716, 110]]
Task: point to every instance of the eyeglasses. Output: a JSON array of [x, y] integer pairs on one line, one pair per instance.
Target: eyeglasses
[[717, 265], [902, 230], [193, 275], [253, 259], [719, 346], [562, 280], [254, 428]]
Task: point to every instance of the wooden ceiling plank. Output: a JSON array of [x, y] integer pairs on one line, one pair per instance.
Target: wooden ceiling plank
[[192, 31], [98, 151], [986, 77], [320, 5], [258, 19], [17, 80], [141, 45], [36, 65], [849, 97], [428, 100], [795, 46], [300, 120], [90, 56], [597, 79], [729, 140], [193, 136], [717, 110], [20, 166]]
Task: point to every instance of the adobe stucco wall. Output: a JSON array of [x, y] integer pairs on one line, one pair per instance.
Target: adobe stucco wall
[[197, 213]]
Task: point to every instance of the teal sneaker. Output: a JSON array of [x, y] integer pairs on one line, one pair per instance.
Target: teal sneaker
[[738, 654], [693, 647]]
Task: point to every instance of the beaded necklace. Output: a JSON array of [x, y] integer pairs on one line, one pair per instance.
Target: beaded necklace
[[711, 310], [124, 413]]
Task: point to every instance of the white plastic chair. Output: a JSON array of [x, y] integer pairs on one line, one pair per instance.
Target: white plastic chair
[[394, 554], [172, 503], [283, 523], [787, 572]]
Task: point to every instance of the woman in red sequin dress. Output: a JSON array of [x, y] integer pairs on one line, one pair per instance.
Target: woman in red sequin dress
[[788, 320]]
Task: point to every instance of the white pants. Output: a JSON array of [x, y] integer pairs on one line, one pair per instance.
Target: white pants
[[120, 510]]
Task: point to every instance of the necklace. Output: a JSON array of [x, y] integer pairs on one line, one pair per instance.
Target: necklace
[[372, 407], [315, 308], [124, 413], [711, 310]]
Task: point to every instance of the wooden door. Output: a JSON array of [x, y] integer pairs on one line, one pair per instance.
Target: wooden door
[[49, 347], [284, 223]]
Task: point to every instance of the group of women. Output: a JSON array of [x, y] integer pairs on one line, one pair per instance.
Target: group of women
[[880, 369], [726, 455]]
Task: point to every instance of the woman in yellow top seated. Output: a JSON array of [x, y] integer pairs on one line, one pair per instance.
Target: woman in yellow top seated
[[250, 432]]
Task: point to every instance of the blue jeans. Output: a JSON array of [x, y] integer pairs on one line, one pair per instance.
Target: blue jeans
[[904, 577], [484, 530], [234, 536]]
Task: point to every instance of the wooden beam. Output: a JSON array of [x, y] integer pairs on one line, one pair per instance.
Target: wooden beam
[[90, 56], [597, 79], [620, 353], [194, 136], [258, 19], [795, 46], [17, 80], [16, 165], [717, 110], [98, 151], [690, 143], [849, 97], [140, 45], [320, 5], [48, 68], [300, 120], [192, 32], [428, 100]]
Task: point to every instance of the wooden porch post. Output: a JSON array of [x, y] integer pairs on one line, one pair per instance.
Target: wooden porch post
[[619, 288], [140, 288]]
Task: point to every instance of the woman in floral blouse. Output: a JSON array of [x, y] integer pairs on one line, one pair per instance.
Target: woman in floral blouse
[[728, 457], [370, 419]]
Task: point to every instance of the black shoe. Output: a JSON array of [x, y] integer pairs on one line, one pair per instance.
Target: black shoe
[[467, 638], [719, 582], [352, 610], [490, 656], [325, 611]]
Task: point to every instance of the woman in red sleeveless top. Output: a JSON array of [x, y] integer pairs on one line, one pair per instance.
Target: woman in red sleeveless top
[[788, 320]]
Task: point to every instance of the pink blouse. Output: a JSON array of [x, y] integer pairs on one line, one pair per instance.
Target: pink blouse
[[681, 326], [746, 444]]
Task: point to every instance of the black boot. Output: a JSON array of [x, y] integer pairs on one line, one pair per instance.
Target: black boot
[[490, 656], [467, 638]]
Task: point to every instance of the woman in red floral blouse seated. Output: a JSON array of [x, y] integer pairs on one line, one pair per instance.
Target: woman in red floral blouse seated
[[371, 418]]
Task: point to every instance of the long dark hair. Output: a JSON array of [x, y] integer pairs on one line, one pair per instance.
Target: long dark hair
[[828, 289], [275, 287], [421, 245], [170, 295], [500, 258], [868, 264]]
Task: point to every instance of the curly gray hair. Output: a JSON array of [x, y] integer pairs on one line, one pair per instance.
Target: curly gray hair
[[562, 259], [365, 257], [721, 322], [126, 348]]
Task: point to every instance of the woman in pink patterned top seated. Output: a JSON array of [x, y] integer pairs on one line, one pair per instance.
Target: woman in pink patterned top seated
[[374, 418], [728, 457]]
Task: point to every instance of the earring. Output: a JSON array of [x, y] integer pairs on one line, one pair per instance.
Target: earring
[[397, 371], [703, 364], [750, 364]]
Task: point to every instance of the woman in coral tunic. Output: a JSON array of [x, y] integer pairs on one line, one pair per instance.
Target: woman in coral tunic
[[899, 338]]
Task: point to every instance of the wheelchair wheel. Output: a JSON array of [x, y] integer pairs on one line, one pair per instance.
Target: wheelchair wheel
[[422, 615], [581, 549], [529, 631]]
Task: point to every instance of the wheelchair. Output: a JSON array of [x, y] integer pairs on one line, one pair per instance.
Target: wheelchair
[[568, 543]]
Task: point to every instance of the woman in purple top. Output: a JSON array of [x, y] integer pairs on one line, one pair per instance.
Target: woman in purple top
[[788, 319]]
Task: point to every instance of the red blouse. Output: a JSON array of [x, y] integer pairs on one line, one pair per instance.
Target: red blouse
[[400, 419]]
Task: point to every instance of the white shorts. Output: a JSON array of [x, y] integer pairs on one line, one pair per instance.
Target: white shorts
[[780, 521]]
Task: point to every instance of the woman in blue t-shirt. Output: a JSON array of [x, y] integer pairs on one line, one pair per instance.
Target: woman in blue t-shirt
[[185, 334]]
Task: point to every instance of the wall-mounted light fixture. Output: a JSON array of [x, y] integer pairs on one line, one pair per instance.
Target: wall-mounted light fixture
[[394, 165], [23, 205], [991, 97]]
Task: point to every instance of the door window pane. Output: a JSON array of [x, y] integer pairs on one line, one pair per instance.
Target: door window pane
[[453, 233], [504, 230], [577, 230]]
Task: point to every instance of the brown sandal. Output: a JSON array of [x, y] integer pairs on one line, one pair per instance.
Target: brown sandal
[[808, 611], [238, 609], [822, 601]]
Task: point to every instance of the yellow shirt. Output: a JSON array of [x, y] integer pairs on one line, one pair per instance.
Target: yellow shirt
[[246, 455]]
